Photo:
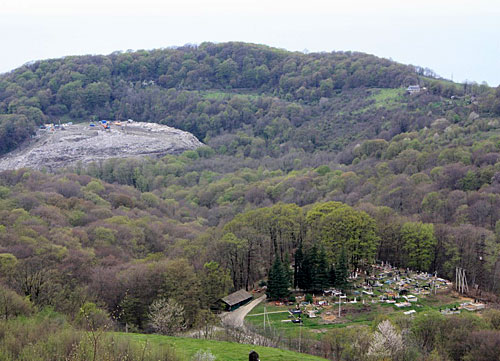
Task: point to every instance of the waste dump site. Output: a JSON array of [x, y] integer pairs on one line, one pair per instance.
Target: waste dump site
[[59, 145]]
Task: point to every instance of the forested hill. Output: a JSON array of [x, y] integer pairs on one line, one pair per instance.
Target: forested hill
[[324, 159], [279, 100]]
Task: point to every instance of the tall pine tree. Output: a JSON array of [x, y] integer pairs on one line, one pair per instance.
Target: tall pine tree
[[333, 277], [341, 271], [278, 281], [321, 277], [287, 268], [308, 270], [313, 274], [298, 273]]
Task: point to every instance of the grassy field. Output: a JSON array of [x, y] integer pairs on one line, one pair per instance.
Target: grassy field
[[187, 347], [221, 95], [387, 98], [383, 98], [313, 325]]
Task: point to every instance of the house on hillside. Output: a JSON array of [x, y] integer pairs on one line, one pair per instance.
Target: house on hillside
[[236, 299], [413, 89]]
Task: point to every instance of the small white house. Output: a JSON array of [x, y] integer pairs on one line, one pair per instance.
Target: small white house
[[413, 89]]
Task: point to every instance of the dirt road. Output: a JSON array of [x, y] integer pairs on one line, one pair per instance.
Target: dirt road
[[235, 318]]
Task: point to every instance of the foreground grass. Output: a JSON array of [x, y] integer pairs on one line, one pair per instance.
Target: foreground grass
[[187, 347]]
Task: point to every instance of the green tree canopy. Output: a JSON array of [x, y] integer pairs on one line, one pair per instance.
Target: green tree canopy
[[419, 243], [339, 225]]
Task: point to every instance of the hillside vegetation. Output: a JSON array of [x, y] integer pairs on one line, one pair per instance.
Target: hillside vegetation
[[322, 153], [276, 97]]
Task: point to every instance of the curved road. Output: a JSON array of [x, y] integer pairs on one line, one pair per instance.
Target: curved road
[[235, 318]]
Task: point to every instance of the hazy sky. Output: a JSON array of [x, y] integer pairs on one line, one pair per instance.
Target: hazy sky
[[453, 37]]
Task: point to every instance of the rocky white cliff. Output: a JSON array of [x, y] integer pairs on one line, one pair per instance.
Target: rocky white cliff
[[54, 148]]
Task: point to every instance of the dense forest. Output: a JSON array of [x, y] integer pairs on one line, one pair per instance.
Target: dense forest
[[323, 154], [279, 99]]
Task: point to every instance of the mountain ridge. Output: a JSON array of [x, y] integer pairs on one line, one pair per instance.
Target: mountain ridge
[[164, 86]]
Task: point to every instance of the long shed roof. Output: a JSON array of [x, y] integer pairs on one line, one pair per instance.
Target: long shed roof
[[236, 297]]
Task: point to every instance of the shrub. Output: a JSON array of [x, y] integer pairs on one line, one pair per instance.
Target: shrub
[[309, 298], [203, 356], [167, 316]]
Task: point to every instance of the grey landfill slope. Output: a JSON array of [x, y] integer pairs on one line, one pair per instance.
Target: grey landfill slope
[[82, 143]]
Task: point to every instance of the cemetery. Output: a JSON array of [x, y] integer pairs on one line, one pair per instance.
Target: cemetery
[[388, 292]]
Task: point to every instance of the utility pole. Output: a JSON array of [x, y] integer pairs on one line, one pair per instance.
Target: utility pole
[[264, 319], [300, 333], [340, 301], [461, 280], [463, 283]]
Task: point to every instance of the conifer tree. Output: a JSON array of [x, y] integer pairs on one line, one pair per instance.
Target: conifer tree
[[321, 279], [298, 272], [286, 268], [341, 271], [313, 275], [278, 281], [309, 271], [332, 276], [304, 272]]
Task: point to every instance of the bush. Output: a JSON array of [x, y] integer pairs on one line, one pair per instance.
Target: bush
[[483, 346], [13, 305], [493, 318], [93, 318], [203, 356]]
